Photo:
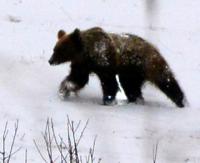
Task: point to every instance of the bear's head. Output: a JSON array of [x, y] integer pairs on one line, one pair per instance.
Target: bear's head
[[67, 48]]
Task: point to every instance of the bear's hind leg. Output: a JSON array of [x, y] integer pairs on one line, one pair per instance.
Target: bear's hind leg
[[132, 84], [109, 86]]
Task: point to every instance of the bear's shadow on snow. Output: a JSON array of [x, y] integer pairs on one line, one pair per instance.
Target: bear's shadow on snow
[[158, 104], [95, 100], [81, 99]]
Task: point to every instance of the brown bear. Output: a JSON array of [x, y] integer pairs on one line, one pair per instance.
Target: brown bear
[[130, 57]]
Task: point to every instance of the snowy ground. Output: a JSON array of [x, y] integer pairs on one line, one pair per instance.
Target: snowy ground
[[128, 132]]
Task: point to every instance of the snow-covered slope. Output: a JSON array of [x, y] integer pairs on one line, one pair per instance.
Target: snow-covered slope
[[126, 133]]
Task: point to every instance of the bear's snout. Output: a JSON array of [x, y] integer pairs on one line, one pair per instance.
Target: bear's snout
[[51, 61]]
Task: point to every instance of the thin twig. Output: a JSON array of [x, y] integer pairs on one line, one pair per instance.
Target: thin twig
[[6, 155], [77, 127], [82, 132], [40, 153], [68, 150], [5, 133], [13, 153], [75, 144], [92, 150], [13, 141], [48, 141], [155, 152], [55, 139], [70, 144], [26, 156]]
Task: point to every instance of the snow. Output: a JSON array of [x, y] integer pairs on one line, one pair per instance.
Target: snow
[[100, 53], [126, 132]]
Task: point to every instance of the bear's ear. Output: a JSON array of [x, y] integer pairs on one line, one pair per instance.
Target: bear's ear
[[61, 33], [76, 37]]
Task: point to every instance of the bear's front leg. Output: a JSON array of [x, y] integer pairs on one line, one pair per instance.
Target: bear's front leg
[[66, 87], [76, 80], [109, 86]]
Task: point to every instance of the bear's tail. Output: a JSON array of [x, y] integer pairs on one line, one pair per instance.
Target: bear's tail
[[159, 73], [167, 83], [171, 88]]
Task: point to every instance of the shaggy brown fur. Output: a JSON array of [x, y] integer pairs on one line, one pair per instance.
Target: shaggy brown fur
[[106, 54]]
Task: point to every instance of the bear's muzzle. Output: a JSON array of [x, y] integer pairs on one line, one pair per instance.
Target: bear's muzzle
[[51, 61]]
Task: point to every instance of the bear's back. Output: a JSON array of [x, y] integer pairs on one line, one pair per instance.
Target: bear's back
[[130, 49], [98, 47], [109, 49]]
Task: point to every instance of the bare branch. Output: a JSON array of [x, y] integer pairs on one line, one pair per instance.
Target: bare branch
[[17, 150], [58, 147], [6, 155], [26, 156], [5, 133], [155, 152], [92, 150], [68, 149], [75, 144], [13, 142], [82, 132], [38, 149], [48, 141], [77, 127]]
